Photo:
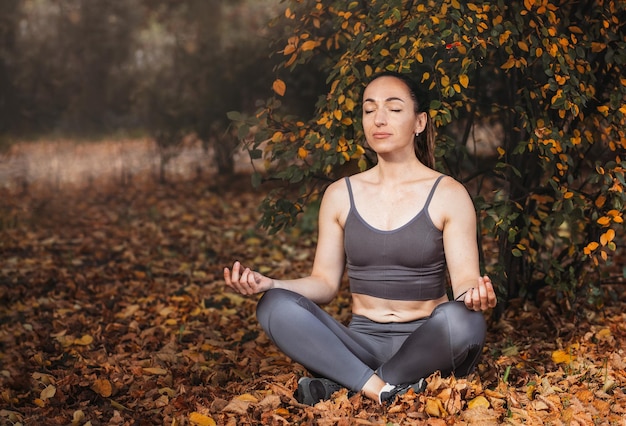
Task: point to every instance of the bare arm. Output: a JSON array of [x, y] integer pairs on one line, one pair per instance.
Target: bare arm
[[461, 249], [323, 283]]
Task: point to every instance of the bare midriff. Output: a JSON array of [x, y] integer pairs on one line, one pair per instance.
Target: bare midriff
[[385, 310]]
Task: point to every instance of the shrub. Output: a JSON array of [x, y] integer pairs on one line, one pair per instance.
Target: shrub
[[549, 74]]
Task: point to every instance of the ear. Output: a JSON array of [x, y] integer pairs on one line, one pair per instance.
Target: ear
[[420, 122]]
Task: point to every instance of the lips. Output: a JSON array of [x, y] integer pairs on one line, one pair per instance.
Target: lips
[[381, 135]]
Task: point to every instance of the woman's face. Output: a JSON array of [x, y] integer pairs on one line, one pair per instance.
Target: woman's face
[[389, 118]]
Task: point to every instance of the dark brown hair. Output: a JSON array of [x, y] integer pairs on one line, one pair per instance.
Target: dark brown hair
[[424, 143]]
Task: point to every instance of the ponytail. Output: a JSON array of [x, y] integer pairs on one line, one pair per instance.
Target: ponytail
[[425, 143]]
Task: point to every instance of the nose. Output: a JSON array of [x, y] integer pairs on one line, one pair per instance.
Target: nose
[[380, 119]]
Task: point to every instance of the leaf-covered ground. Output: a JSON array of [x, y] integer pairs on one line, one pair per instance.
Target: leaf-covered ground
[[112, 312]]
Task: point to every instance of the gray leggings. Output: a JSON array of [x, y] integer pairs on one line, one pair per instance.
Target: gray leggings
[[449, 341]]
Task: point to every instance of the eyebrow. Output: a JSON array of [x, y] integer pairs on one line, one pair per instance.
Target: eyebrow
[[386, 100]]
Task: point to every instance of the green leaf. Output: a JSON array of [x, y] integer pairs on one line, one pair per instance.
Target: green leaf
[[234, 116]]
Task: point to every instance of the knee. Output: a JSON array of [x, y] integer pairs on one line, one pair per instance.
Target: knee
[[273, 300], [460, 321]]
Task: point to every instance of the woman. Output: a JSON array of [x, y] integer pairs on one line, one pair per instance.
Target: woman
[[398, 226]]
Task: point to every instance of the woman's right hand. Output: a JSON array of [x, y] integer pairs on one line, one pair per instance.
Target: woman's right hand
[[246, 281]]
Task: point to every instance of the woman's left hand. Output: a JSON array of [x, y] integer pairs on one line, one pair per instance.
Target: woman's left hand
[[482, 297]]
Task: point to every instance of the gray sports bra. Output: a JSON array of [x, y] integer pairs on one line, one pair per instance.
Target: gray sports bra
[[407, 263]]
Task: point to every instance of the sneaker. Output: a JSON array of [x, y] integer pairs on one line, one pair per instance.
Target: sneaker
[[313, 390], [388, 397]]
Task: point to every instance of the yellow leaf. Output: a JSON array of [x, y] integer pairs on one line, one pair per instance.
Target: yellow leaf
[[302, 152], [604, 221], [279, 87], [479, 401], [337, 114], [48, 392], [445, 81], [277, 137], [247, 398], [434, 407], [464, 80], [562, 357], [568, 195], [603, 109], [199, 419], [84, 341]]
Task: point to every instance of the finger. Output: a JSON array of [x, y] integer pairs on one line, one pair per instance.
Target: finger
[[491, 292], [235, 272], [482, 294], [227, 277], [476, 302], [469, 299], [247, 281]]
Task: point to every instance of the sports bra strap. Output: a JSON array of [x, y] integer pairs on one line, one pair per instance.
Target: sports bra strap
[[430, 196], [432, 191], [350, 191]]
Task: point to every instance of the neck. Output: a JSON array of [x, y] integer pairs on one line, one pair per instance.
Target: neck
[[399, 169]]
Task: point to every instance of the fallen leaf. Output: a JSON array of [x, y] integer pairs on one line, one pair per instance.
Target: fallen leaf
[[562, 357], [435, 408], [102, 387], [198, 419], [155, 370], [48, 392], [86, 340], [479, 401]]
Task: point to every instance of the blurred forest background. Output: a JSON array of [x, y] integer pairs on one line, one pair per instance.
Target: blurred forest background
[[146, 74]]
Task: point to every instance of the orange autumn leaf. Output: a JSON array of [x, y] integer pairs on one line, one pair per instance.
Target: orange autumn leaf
[[464, 80], [198, 419], [308, 45], [279, 87], [102, 387], [562, 357]]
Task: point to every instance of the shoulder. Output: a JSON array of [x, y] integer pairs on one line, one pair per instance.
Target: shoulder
[[451, 202], [337, 190], [336, 201], [450, 187]]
